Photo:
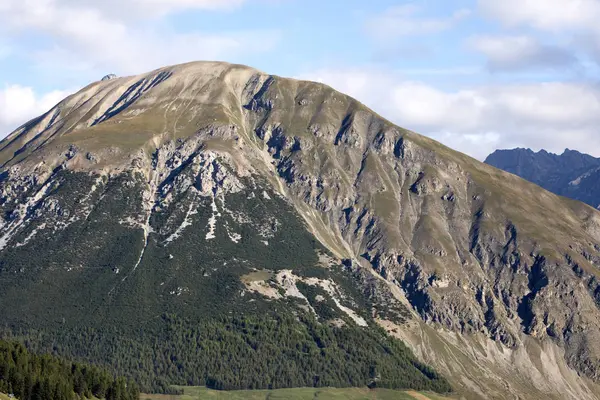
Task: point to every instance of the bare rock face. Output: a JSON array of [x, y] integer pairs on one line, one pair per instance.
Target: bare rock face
[[480, 272], [109, 77]]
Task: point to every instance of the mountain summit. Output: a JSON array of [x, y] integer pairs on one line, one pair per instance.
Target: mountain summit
[[570, 174], [211, 224]]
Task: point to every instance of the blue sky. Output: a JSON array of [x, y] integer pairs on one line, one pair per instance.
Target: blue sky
[[474, 74]]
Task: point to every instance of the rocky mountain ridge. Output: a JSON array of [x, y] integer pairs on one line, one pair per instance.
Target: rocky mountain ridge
[[489, 278], [571, 174]]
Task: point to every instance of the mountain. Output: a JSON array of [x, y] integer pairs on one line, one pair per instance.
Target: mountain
[[210, 224], [571, 174]]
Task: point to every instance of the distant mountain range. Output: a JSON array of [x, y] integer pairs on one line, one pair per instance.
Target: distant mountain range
[[570, 174]]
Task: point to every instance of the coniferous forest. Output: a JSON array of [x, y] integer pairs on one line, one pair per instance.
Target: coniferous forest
[[28, 376], [248, 352], [186, 317]]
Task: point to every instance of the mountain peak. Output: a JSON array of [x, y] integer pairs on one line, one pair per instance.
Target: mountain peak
[[572, 173], [211, 90]]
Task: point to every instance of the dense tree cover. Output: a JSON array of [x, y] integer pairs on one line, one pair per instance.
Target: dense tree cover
[[43, 377], [184, 316], [251, 352], [87, 260]]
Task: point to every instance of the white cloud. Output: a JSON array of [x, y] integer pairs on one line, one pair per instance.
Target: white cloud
[[138, 51], [170, 6], [89, 36], [480, 119], [128, 10], [550, 15], [573, 20], [19, 104], [122, 9], [405, 20], [520, 52]]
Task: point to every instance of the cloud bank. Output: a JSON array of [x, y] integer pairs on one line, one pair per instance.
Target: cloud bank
[[479, 119]]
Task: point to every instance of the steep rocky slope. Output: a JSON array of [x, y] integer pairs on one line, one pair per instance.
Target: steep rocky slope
[[201, 187], [571, 174]]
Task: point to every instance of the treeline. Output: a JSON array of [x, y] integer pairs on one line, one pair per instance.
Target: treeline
[[29, 376], [250, 352]]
